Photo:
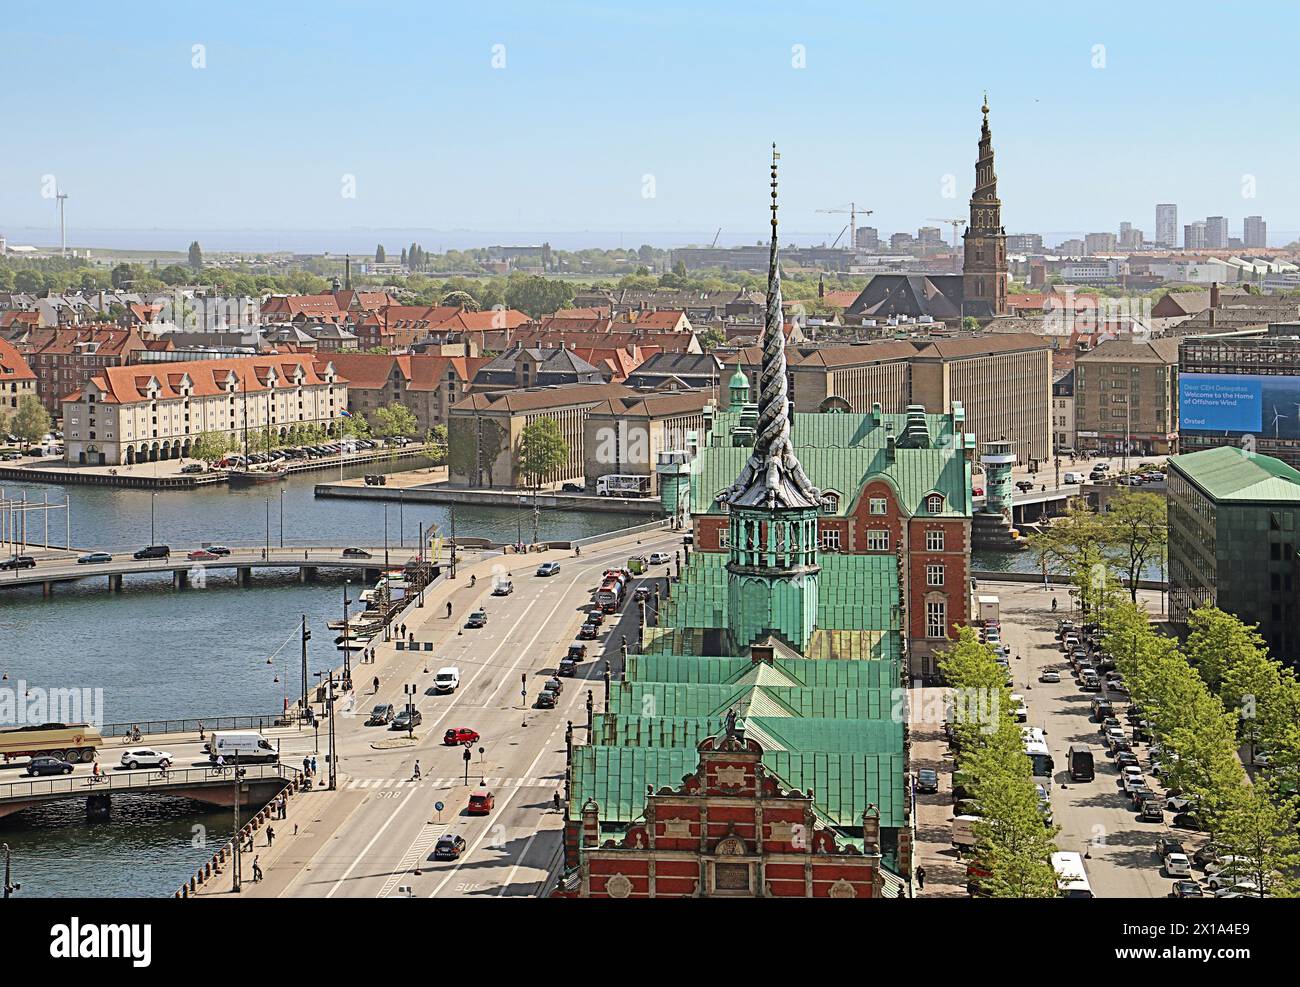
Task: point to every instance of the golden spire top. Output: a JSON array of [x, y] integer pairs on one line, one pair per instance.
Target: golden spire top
[[986, 104]]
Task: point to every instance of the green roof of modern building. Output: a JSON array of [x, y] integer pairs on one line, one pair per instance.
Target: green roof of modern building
[[1229, 473]]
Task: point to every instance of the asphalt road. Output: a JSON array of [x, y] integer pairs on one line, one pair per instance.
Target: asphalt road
[[392, 831]]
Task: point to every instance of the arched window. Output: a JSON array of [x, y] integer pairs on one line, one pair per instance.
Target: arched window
[[934, 504], [830, 502]]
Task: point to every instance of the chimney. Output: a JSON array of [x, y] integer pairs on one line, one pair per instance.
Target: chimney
[[1214, 298]]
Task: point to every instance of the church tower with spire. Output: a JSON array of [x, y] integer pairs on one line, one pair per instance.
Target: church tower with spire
[[772, 572], [984, 269]]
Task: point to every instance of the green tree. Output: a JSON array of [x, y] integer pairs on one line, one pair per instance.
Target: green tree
[[209, 446], [1136, 527], [394, 421], [541, 449], [30, 422], [355, 426], [1259, 828], [538, 296], [196, 256], [461, 299]]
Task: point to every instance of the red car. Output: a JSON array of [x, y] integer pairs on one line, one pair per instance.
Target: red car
[[481, 803], [460, 735], [202, 555]]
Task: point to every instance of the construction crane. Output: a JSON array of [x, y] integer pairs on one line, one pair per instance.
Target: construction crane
[[853, 211], [956, 225], [715, 237]]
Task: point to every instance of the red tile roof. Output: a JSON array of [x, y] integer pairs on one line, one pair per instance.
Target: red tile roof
[[12, 365], [126, 384]]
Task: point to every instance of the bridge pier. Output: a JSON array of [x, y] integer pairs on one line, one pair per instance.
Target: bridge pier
[[371, 575], [98, 807], [115, 583], [47, 589], [245, 574], [307, 574], [180, 579]]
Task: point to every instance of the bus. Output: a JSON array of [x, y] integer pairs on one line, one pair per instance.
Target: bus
[[1039, 754], [1071, 878]]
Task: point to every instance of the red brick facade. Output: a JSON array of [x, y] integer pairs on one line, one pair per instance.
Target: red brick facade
[[728, 831]]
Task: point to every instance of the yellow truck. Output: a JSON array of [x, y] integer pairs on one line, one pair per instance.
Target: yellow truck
[[66, 741]]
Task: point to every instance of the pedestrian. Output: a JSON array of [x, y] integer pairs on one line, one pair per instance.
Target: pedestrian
[[449, 609], [270, 835], [415, 775], [201, 737], [313, 764], [306, 765], [1053, 604], [556, 800], [257, 870], [920, 878]]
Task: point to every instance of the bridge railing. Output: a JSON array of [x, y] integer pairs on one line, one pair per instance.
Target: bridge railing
[[192, 724], [141, 780]]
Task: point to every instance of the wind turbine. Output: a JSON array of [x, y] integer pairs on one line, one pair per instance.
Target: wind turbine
[[61, 198], [1277, 419]]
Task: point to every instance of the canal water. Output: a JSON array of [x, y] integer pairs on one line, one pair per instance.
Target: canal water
[[154, 653]]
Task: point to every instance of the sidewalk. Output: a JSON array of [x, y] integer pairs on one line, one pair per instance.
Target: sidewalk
[[945, 872]]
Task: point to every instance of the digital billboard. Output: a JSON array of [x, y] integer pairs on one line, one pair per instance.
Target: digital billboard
[[1239, 404]]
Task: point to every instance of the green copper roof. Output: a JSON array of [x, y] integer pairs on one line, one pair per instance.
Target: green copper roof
[[855, 592], [774, 733], [689, 669], [1230, 473], [839, 452], [675, 699], [843, 784], [738, 379]]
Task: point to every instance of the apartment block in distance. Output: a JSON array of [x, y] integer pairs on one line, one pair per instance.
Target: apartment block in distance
[[1232, 541], [145, 413], [1126, 393]]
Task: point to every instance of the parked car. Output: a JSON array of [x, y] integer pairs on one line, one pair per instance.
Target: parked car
[[1206, 855], [641, 593], [546, 699], [194, 468], [1124, 759], [381, 715], [1186, 889], [18, 562], [927, 780], [595, 616], [148, 757], [588, 632], [477, 619], [48, 766], [577, 652], [548, 569], [567, 667], [93, 558], [460, 735], [449, 847]]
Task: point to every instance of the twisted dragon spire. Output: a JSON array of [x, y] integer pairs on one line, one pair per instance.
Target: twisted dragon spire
[[773, 477]]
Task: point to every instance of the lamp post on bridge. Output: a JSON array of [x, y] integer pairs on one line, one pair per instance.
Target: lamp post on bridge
[[9, 886], [237, 864]]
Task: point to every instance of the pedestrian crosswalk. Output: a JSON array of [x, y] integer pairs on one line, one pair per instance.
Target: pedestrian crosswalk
[[416, 855], [378, 784]]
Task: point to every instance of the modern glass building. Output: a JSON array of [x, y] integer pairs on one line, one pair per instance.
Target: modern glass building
[[1232, 541]]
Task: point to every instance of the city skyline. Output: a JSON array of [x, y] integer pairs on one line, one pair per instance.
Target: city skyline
[[562, 150]]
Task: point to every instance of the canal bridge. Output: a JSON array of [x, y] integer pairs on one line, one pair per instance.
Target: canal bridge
[[212, 785], [307, 560]]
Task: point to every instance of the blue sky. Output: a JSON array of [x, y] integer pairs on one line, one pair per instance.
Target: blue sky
[[593, 97]]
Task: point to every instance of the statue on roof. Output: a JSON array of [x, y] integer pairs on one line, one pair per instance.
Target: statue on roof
[[773, 477]]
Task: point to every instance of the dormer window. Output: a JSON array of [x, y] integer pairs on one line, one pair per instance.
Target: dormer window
[[830, 502], [934, 504]]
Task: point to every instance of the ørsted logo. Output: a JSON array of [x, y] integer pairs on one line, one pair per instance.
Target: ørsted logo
[[101, 941]]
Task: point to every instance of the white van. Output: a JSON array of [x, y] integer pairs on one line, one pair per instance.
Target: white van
[[1074, 478], [963, 831], [247, 745], [447, 679]]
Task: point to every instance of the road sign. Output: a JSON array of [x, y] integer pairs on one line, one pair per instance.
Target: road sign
[[438, 806]]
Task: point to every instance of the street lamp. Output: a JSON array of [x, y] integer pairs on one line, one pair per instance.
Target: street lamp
[[153, 500], [409, 692], [9, 886]]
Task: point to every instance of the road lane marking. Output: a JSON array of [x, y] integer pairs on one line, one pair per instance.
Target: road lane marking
[[374, 839]]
